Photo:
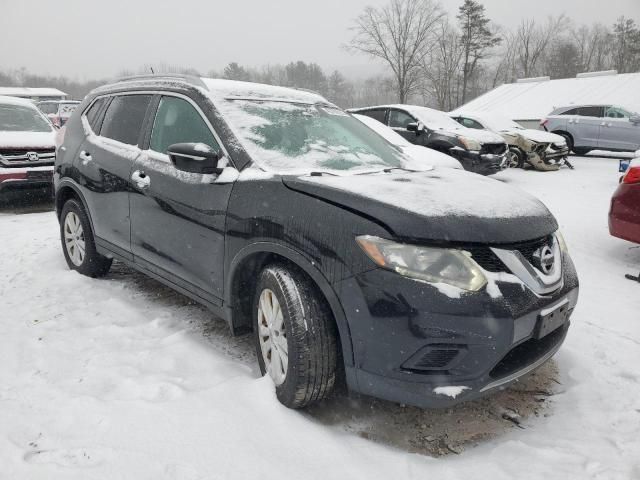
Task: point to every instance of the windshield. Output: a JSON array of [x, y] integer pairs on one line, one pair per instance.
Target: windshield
[[18, 118], [434, 119], [498, 123], [290, 137]]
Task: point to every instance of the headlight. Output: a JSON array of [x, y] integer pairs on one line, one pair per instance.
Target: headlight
[[470, 143], [428, 264], [561, 242]]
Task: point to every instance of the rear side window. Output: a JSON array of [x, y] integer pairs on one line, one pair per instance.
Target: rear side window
[[178, 122], [124, 118], [399, 119], [590, 111], [95, 114], [377, 114], [573, 111]]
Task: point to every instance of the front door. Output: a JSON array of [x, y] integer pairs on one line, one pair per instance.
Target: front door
[[178, 218], [618, 132]]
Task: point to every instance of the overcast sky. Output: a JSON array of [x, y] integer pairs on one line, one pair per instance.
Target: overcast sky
[[89, 38]]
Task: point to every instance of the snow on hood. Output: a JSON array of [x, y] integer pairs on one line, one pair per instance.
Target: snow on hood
[[482, 136], [27, 139], [428, 156], [539, 136], [441, 204]]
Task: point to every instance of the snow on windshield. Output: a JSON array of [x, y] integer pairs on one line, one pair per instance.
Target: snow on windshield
[[290, 137], [18, 118]]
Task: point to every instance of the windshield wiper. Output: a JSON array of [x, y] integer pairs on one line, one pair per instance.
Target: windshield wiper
[[319, 174]]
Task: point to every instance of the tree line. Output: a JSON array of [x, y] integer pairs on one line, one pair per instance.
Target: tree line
[[428, 57]]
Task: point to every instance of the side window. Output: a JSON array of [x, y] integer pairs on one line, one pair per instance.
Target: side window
[[573, 111], [615, 112], [124, 118], [377, 114], [95, 114], [590, 111], [399, 119], [178, 122], [470, 123]]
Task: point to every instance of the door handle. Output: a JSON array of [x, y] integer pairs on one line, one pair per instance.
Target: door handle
[[141, 179], [84, 156]]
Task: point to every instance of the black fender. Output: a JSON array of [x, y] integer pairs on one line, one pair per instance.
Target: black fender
[[61, 186], [310, 269]]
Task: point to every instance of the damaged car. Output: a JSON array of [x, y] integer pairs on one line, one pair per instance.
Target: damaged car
[[478, 151], [292, 220], [538, 149]]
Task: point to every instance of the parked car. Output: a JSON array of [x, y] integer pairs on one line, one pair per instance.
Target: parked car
[[58, 111], [624, 214], [422, 155], [542, 150], [477, 151], [591, 127], [27, 150], [287, 216]]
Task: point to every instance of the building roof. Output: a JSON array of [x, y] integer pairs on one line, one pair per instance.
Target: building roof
[[31, 92], [532, 100]]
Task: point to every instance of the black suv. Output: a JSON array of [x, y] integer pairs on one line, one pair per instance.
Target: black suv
[[290, 218], [478, 151]]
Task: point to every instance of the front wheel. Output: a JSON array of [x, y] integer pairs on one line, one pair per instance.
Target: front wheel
[[78, 243], [516, 158], [296, 340]]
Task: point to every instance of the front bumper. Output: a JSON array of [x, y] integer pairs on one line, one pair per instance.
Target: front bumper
[[21, 178], [410, 340], [484, 164]]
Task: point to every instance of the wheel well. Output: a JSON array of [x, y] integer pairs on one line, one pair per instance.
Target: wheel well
[[64, 194], [563, 133], [243, 285]]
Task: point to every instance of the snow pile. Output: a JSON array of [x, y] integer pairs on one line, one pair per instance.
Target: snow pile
[[120, 378]]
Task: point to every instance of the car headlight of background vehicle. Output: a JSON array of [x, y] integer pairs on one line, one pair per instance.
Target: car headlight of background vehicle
[[470, 143], [428, 264]]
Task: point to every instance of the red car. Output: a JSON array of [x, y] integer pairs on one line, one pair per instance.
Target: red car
[[624, 215]]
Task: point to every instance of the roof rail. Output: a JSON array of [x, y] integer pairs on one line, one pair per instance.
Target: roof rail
[[191, 79], [533, 79]]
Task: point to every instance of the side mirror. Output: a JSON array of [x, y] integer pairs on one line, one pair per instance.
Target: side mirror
[[194, 157], [416, 127]]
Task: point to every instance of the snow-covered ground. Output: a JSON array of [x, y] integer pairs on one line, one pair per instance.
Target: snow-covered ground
[[120, 378]]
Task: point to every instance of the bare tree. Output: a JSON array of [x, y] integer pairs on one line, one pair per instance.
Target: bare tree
[[626, 40], [400, 34], [532, 41]]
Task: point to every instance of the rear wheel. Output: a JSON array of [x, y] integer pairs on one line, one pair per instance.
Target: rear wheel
[[581, 150], [78, 243], [295, 336]]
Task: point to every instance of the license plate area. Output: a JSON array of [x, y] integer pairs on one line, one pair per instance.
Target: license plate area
[[551, 319]]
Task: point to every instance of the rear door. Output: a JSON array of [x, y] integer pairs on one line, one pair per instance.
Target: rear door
[[617, 132], [105, 162], [178, 219], [586, 127]]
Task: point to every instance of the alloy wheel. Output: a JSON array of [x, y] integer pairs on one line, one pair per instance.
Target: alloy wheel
[[74, 238], [273, 336]]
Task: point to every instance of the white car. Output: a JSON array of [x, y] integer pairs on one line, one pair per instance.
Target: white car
[[542, 150], [424, 155], [27, 146]]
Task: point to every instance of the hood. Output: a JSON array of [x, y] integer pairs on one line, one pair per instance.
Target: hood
[[441, 205], [427, 156], [27, 139], [482, 136], [539, 136]]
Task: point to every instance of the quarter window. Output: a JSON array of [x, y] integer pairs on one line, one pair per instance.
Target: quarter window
[[95, 114], [399, 119], [124, 118], [178, 122]]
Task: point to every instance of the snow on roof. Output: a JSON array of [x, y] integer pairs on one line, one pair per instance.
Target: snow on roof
[[31, 92], [221, 88], [533, 100], [7, 100]]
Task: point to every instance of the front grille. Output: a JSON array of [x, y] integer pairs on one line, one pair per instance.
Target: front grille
[[484, 256], [527, 249], [488, 260], [10, 152], [13, 157], [494, 148]]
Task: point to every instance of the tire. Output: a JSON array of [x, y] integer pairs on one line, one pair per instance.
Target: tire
[[75, 231], [516, 159], [581, 150], [310, 336]]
